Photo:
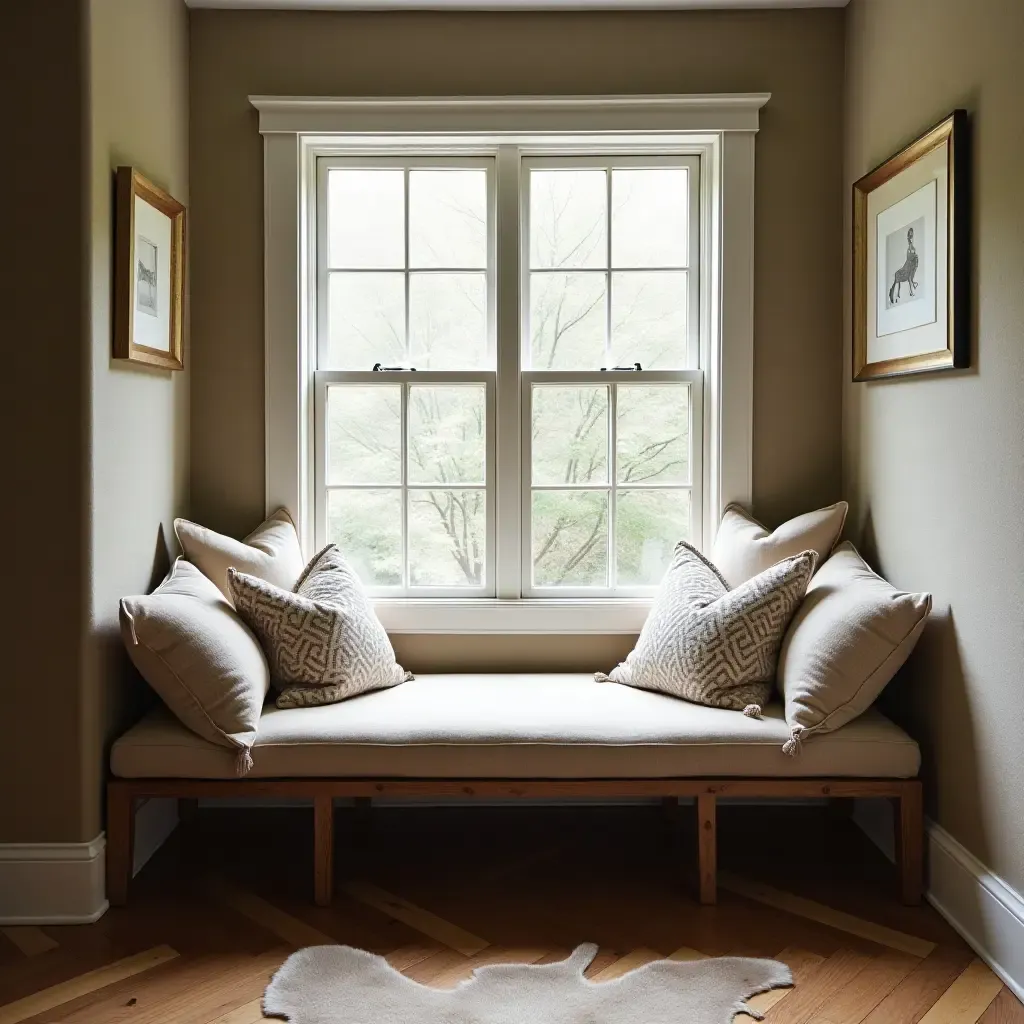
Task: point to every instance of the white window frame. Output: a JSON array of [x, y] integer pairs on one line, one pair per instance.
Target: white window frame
[[719, 129], [324, 378], [692, 376]]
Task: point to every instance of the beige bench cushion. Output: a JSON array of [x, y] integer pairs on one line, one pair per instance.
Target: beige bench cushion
[[518, 726]]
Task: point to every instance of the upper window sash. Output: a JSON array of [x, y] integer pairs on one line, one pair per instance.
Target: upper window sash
[[608, 265], [405, 163]]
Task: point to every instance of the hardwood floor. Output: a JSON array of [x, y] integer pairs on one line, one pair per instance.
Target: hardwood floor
[[439, 891]]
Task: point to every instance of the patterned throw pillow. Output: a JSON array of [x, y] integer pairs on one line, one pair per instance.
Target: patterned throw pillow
[[712, 645], [322, 639]]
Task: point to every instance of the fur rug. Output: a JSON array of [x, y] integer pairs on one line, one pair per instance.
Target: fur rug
[[341, 985]]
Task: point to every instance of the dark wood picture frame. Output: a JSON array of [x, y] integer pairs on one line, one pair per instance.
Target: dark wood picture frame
[[952, 130], [132, 184]]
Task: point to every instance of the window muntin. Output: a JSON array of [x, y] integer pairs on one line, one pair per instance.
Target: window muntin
[[407, 468]]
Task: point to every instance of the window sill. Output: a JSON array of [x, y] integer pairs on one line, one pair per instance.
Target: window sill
[[530, 616]]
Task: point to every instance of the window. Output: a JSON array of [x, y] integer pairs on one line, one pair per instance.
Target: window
[[417, 472], [412, 236]]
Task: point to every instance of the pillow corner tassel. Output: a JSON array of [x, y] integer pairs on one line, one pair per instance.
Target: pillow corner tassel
[[752, 711], [793, 746], [243, 763], [131, 624], [603, 677]]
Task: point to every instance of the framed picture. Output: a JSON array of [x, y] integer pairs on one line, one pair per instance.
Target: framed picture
[[910, 267], [149, 273]]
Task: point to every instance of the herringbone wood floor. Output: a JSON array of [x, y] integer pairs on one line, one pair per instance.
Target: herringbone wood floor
[[439, 891]]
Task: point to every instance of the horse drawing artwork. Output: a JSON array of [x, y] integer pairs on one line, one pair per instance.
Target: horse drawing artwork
[[906, 272]]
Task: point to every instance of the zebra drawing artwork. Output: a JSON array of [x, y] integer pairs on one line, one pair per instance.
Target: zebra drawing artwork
[[906, 273]]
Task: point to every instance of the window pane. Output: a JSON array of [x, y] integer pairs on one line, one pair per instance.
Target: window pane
[[653, 433], [570, 434], [567, 321], [570, 538], [367, 527], [648, 526], [447, 430], [568, 214], [448, 218], [366, 218], [649, 320], [364, 434], [366, 320], [447, 541], [649, 215], [448, 321]]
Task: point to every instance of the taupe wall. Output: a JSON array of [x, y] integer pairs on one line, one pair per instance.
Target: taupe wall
[[935, 465], [796, 55], [42, 52], [139, 116], [95, 453]]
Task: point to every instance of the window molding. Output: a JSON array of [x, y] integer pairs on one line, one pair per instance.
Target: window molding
[[504, 115], [721, 127]]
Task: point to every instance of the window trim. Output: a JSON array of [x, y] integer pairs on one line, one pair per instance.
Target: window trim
[[721, 128]]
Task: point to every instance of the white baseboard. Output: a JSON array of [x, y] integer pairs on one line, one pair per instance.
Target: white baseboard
[[981, 906], [52, 883]]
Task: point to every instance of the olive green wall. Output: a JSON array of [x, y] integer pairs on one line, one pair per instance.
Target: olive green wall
[[96, 451], [795, 55], [934, 465]]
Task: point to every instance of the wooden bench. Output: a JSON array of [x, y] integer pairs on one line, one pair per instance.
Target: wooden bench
[[516, 737]]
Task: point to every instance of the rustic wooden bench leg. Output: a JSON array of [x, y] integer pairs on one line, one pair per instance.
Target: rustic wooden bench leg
[[707, 852], [323, 850], [120, 847], [910, 842]]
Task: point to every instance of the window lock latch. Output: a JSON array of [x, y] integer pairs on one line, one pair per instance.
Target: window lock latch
[[635, 368], [380, 368]]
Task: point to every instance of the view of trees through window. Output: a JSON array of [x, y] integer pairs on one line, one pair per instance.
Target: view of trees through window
[[409, 283]]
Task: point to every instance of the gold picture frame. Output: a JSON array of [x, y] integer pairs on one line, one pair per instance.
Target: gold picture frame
[[910, 258], [149, 273]]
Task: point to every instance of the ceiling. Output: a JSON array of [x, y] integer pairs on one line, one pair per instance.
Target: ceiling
[[510, 5]]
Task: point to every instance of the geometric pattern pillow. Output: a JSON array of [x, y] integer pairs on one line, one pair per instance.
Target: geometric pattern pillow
[[323, 640], [712, 645]]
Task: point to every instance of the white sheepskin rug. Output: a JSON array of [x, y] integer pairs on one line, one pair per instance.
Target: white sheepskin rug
[[341, 985]]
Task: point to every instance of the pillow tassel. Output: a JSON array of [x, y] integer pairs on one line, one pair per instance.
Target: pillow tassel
[[131, 624], [752, 711], [793, 746], [603, 677], [243, 763]]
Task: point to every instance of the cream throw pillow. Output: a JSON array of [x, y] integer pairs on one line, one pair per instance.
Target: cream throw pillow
[[743, 547], [324, 641], [270, 552], [851, 634], [712, 645], [200, 658]]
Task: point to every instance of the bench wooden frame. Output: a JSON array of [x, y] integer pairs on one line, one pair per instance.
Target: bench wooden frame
[[122, 795]]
